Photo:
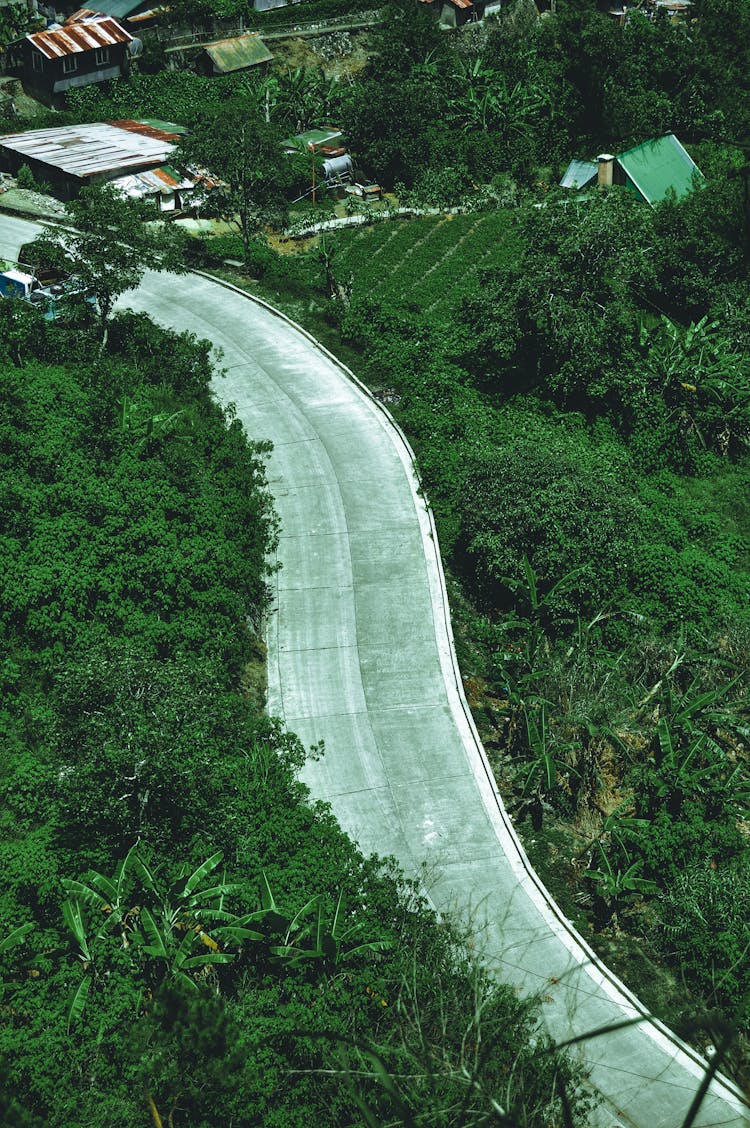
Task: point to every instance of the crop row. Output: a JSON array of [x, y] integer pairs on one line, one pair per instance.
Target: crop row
[[429, 262]]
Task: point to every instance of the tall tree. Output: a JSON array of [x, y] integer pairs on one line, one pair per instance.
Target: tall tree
[[237, 145], [110, 245]]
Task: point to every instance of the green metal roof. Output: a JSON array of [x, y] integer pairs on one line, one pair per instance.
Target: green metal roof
[[658, 165], [313, 137], [236, 54], [166, 126], [578, 174], [121, 9]]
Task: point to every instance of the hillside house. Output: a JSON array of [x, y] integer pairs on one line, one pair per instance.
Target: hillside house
[[651, 171], [71, 156], [96, 49]]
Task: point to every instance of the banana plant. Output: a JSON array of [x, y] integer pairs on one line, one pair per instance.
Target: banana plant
[[186, 929], [617, 887], [312, 938], [699, 363]]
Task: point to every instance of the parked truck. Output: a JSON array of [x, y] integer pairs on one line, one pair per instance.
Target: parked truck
[[51, 297]]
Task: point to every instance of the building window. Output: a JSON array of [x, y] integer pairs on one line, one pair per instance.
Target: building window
[[37, 63], [70, 64], [101, 56]]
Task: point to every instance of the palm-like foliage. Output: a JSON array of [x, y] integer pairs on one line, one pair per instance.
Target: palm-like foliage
[[185, 930], [312, 937], [704, 379], [179, 933], [485, 100]]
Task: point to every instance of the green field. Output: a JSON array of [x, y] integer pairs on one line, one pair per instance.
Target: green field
[[431, 262]]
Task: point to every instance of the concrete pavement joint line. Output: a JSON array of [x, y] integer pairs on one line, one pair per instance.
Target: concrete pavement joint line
[[575, 943]]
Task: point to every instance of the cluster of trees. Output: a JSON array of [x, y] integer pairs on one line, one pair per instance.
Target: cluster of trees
[[185, 936]]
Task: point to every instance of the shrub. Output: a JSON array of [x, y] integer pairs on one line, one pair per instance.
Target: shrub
[[26, 179], [552, 500]]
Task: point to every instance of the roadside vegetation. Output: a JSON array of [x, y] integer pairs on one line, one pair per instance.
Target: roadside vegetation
[[186, 938], [573, 374], [574, 379]]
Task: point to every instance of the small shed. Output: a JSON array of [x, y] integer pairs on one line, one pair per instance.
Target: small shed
[[651, 171], [322, 139], [455, 13], [229, 55], [167, 188]]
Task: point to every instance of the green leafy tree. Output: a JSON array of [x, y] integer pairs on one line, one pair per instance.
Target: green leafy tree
[[243, 151], [113, 245], [570, 514]]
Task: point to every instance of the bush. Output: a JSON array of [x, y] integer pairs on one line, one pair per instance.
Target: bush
[[567, 510], [705, 928], [26, 179]]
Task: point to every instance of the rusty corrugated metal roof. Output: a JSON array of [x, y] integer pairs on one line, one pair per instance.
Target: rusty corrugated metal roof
[[146, 129], [164, 180], [89, 150], [86, 35]]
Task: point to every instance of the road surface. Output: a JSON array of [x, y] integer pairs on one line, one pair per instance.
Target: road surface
[[361, 657]]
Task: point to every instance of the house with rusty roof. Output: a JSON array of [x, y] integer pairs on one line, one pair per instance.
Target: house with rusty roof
[[51, 62]]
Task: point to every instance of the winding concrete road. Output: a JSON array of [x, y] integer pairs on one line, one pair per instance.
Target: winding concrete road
[[361, 657]]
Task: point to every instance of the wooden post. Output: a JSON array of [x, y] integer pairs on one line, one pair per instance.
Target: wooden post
[[312, 153]]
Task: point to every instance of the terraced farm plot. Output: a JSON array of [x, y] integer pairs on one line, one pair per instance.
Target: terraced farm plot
[[432, 262]]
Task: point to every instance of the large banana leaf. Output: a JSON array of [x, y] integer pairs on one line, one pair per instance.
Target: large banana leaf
[[73, 917], [156, 945], [15, 937], [79, 1001], [204, 868]]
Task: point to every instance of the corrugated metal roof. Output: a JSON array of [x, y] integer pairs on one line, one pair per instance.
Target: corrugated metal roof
[[120, 9], [656, 166], [157, 130], [89, 150], [235, 54], [316, 137], [578, 174], [164, 179], [81, 16], [77, 37]]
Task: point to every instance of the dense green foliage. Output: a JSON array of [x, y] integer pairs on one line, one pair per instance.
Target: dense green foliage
[[574, 376], [184, 934], [575, 380]]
